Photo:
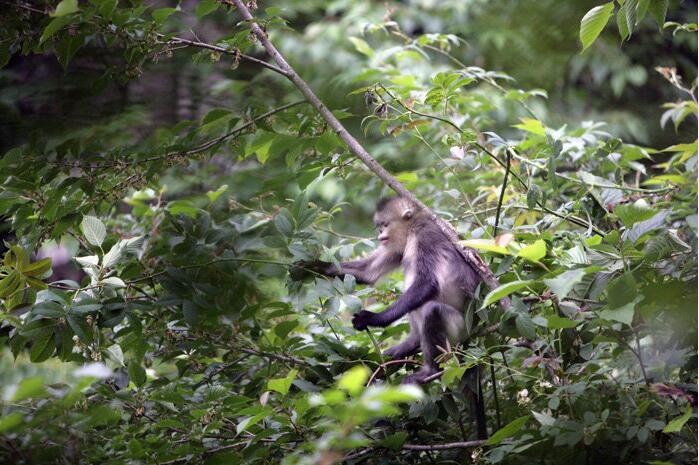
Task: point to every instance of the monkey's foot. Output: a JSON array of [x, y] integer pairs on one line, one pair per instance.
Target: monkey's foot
[[419, 377]]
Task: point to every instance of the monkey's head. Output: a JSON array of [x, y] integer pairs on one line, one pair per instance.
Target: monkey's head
[[393, 218]]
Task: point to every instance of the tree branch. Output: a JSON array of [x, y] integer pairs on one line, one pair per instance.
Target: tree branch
[[235, 52], [471, 257]]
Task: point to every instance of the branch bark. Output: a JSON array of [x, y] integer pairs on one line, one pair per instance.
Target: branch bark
[[470, 255]]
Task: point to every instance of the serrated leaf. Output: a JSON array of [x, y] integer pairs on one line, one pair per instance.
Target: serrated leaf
[[504, 290], [632, 213], [284, 222], [593, 22], [93, 229]]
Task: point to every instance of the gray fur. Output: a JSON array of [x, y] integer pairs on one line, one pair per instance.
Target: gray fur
[[438, 282]]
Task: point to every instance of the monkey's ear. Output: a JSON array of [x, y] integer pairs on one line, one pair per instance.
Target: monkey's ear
[[407, 213]]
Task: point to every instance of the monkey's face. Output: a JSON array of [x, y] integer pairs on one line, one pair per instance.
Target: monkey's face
[[392, 224]]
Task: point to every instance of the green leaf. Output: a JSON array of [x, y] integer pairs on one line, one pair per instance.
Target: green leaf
[[42, 347], [559, 322], [215, 114], [505, 290], [10, 284], [532, 125], [66, 7], [205, 7], [544, 418], [93, 229], [533, 252], [658, 10], [488, 245], [37, 269], [675, 426], [622, 24], [10, 422], [525, 326], [247, 422], [214, 195], [282, 385], [285, 327], [362, 46], [564, 283], [261, 145], [621, 290], [629, 8], [161, 14], [623, 314], [507, 431], [137, 373], [284, 222], [593, 22], [634, 212], [353, 379], [29, 387], [80, 327], [115, 354]]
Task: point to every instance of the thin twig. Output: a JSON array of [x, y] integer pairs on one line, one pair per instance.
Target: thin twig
[[389, 363], [502, 195], [235, 52]]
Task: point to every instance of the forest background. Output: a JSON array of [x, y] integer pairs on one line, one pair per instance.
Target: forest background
[[160, 173]]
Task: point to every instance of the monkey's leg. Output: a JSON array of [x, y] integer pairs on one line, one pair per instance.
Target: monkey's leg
[[434, 333], [410, 346]]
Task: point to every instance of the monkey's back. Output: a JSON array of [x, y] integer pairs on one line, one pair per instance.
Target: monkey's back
[[430, 254]]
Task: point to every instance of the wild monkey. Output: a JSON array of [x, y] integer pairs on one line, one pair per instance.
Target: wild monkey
[[438, 282]]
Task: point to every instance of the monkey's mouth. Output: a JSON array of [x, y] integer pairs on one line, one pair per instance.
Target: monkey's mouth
[[383, 241]]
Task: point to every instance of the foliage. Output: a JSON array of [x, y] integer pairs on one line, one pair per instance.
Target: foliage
[[190, 343]]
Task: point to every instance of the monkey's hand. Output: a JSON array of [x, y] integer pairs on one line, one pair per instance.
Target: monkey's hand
[[307, 268], [363, 319]]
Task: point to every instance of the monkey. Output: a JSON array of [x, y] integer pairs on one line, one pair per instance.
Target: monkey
[[438, 282]]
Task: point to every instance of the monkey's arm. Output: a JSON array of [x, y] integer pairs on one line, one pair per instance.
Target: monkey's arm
[[370, 269], [365, 271], [417, 294]]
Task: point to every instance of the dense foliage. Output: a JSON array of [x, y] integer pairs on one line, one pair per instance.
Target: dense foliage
[[173, 333]]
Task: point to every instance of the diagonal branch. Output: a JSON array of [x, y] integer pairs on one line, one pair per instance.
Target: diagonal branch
[[470, 255]]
